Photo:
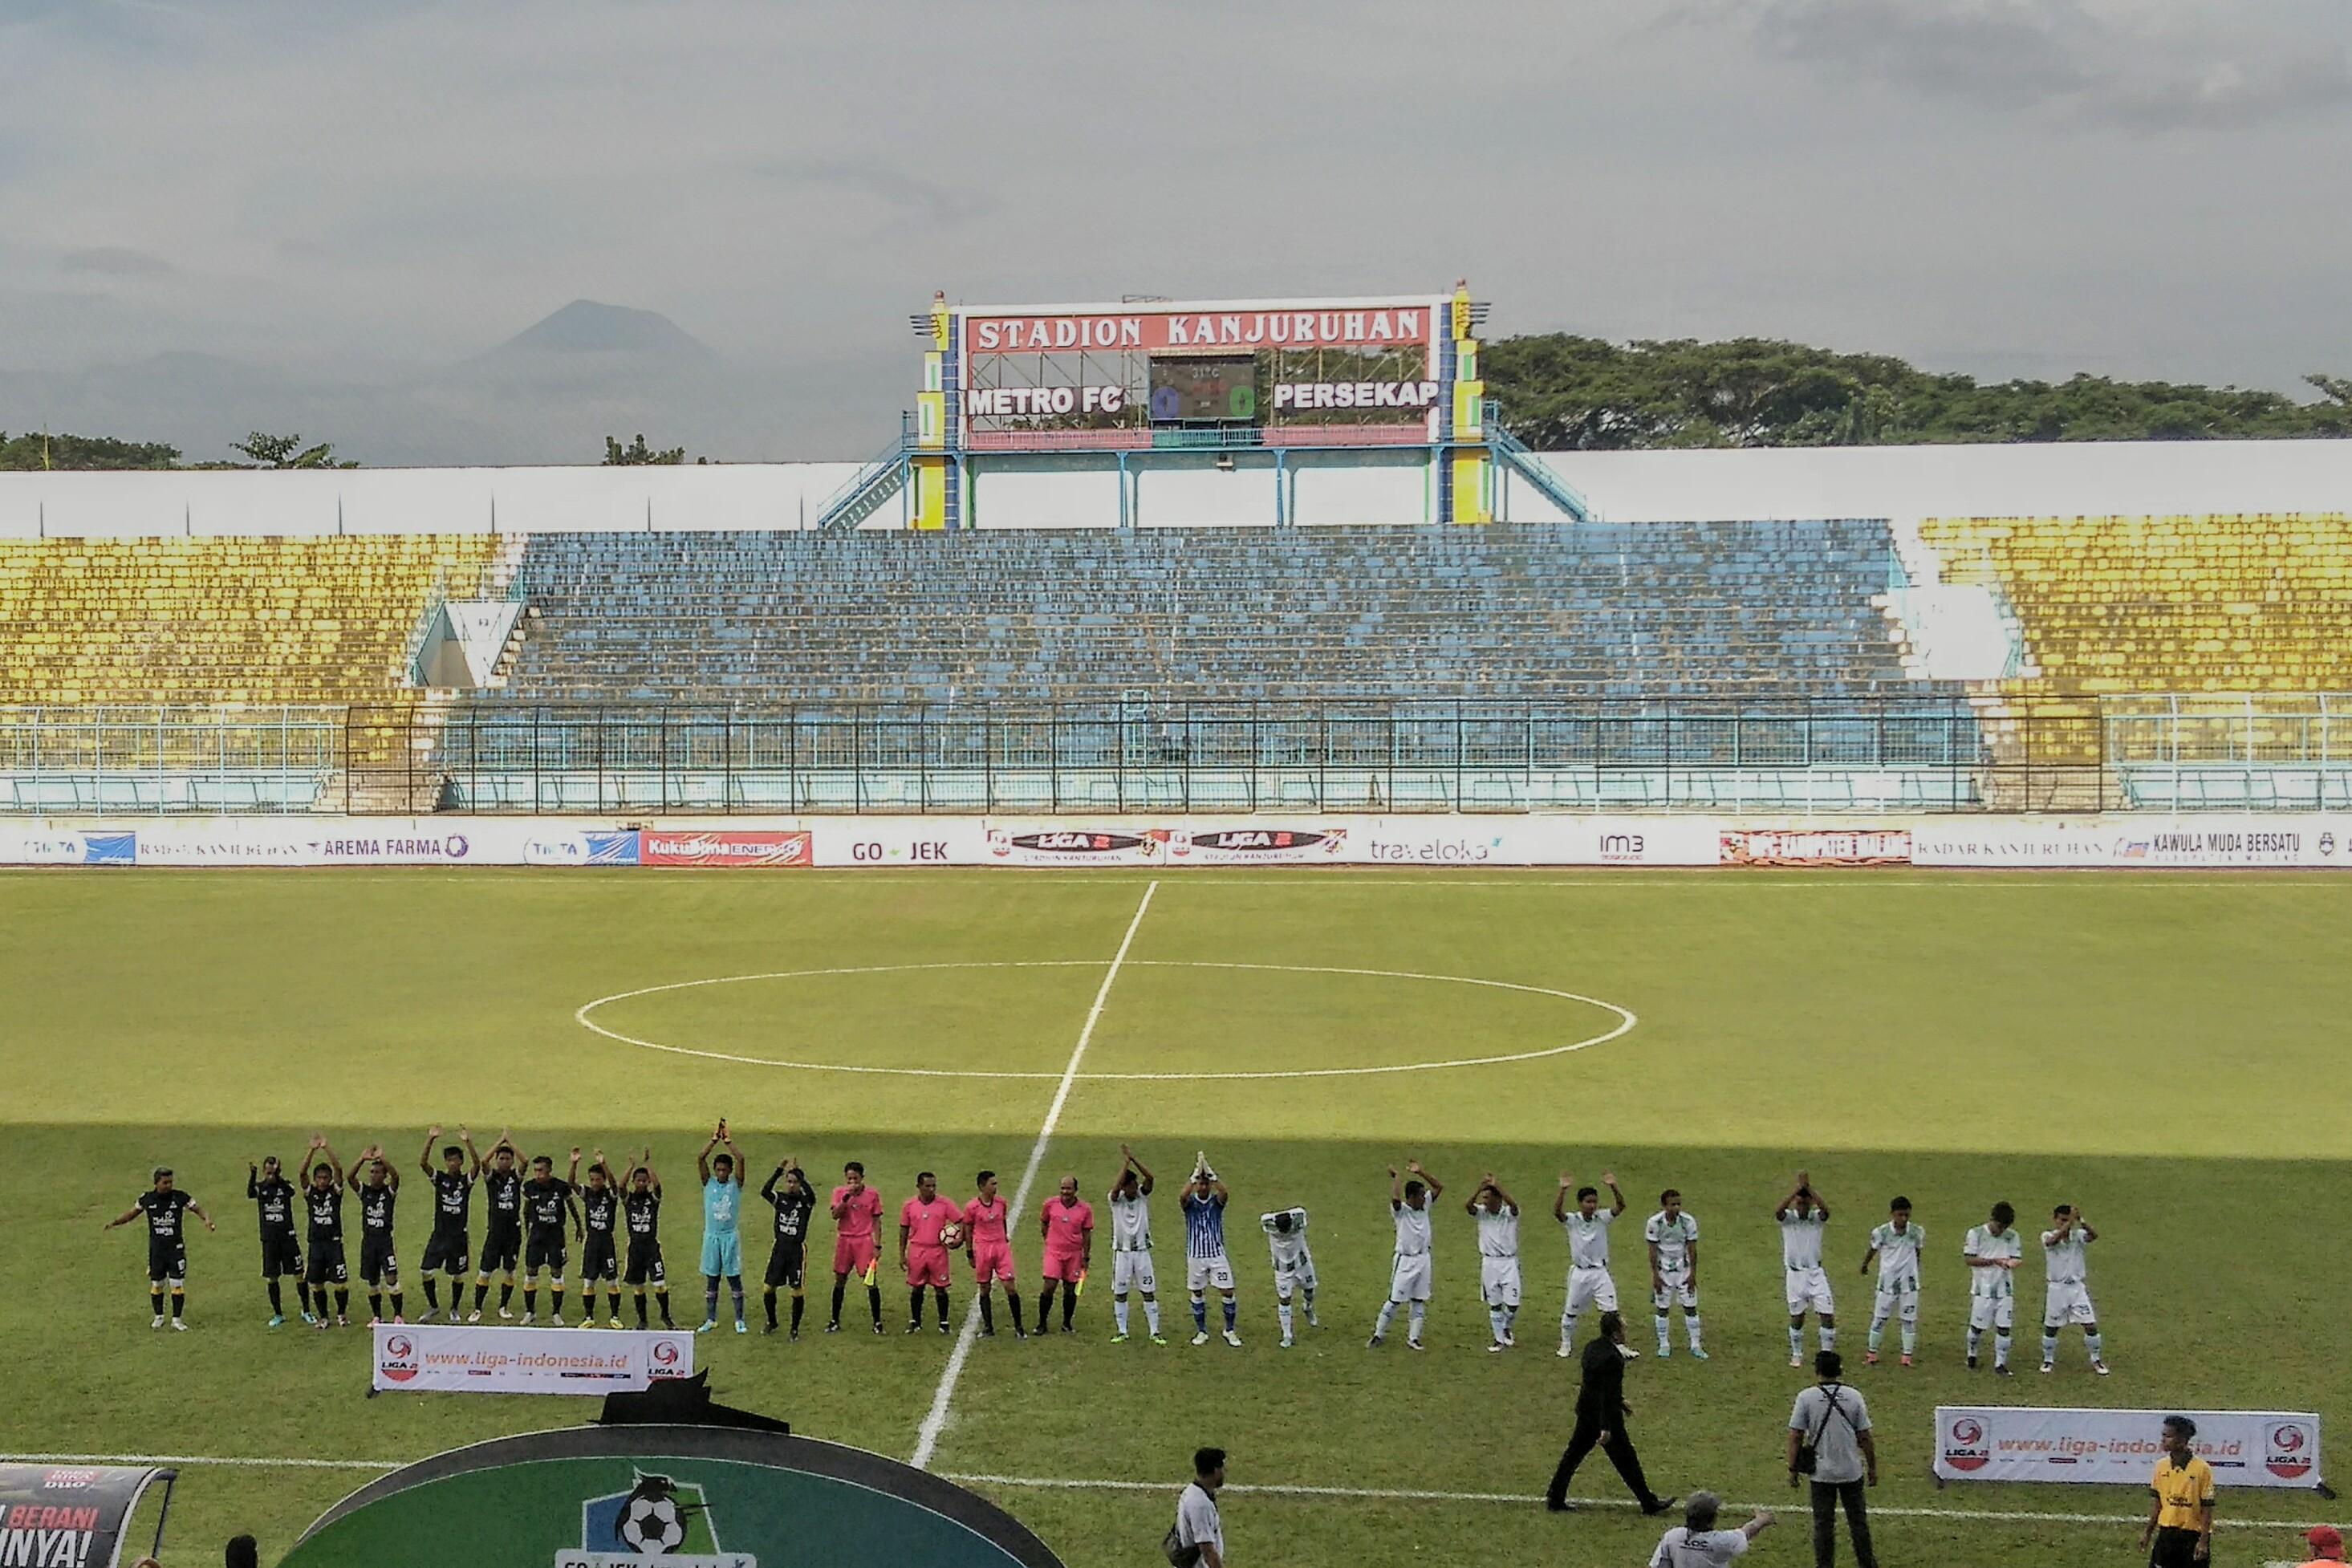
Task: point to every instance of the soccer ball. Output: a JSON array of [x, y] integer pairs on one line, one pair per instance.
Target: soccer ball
[[651, 1525], [951, 1236]]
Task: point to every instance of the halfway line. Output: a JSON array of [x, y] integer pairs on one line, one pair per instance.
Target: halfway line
[[927, 1438]]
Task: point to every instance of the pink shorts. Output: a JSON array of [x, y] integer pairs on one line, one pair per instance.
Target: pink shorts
[[992, 1261], [1065, 1266], [853, 1254], [927, 1265]]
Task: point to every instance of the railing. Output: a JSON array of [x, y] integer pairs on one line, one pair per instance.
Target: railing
[[1851, 756]]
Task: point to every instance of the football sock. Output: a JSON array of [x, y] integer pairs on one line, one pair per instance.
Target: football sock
[[641, 1309], [914, 1305], [988, 1311], [1690, 1327], [432, 1293], [1976, 1338], [506, 1293], [396, 1311], [2093, 1343], [874, 1302], [1309, 1296], [1151, 1314], [531, 1301], [1910, 1338], [940, 1300], [734, 1292], [1231, 1312], [481, 1294], [1069, 1303], [1044, 1305], [616, 1304], [1388, 1316], [155, 1299], [2049, 1349], [1012, 1299], [1666, 1339], [1119, 1313], [1829, 1338], [1495, 1320], [375, 1303], [1415, 1315], [839, 1287], [662, 1297], [178, 1302], [319, 1302], [1566, 1329], [555, 1301], [1796, 1339], [800, 1305], [768, 1299], [277, 1301], [1281, 1311], [1877, 1333], [342, 1303], [1200, 1313], [1999, 1347], [710, 1301]]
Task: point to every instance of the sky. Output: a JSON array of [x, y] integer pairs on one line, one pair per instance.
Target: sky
[[315, 216]]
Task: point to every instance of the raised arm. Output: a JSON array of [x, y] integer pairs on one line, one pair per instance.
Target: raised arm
[[571, 1178], [702, 1160], [1559, 1198], [334, 1164], [1609, 1180], [768, 1187], [391, 1174], [252, 1180], [1788, 1203], [1396, 1189], [740, 1171], [1437, 1188], [1142, 1170]]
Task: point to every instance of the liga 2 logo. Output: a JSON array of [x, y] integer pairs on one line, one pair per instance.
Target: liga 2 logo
[[399, 1361], [1967, 1446], [2287, 1450]]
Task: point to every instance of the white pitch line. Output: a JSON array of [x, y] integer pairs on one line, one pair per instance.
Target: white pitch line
[[926, 1437], [1371, 1494]]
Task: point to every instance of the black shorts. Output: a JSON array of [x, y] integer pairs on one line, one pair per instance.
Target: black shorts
[[500, 1249], [784, 1266], [167, 1260], [2174, 1549], [544, 1251], [326, 1263], [445, 1252], [596, 1260], [280, 1254], [646, 1263], [378, 1263]]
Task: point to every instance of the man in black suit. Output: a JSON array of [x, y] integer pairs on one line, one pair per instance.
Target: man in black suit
[[1601, 1412]]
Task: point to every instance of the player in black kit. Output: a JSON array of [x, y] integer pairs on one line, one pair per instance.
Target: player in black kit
[[323, 1198], [281, 1247], [600, 1264], [167, 1243], [453, 1212], [502, 1240], [546, 1206], [641, 1206], [795, 1202], [379, 1197]]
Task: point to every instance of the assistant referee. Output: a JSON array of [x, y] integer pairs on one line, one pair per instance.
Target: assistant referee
[[2179, 1532]]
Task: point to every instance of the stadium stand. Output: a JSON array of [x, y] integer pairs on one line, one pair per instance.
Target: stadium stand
[[226, 622], [1509, 611]]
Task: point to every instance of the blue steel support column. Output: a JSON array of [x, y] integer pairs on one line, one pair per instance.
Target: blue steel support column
[[1281, 481], [1442, 453], [1126, 520]]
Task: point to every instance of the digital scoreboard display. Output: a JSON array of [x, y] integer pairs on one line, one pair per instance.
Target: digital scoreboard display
[[1202, 390]]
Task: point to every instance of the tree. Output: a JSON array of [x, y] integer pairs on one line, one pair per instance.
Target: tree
[[637, 455], [35, 451], [287, 452]]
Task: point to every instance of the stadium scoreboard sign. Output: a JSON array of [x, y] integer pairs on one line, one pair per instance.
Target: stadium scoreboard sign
[[682, 1496]]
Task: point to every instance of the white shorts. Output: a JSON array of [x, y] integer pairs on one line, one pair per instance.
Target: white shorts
[[1590, 1288], [1901, 1304], [1409, 1277], [1289, 1279], [1498, 1281], [1991, 1311], [1678, 1288], [1208, 1273], [1809, 1289], [2068, 1302], [1132, 1271]]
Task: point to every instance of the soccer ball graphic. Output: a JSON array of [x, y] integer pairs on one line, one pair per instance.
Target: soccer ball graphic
[[951, 1236], [650, 1521]]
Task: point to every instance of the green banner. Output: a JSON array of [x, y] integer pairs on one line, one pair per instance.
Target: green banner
[[679, 1496]]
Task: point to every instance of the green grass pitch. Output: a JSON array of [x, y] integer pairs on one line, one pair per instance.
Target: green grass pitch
[[2167, 1050]]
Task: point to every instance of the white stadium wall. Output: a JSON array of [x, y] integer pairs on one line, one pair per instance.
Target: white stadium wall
[[1901, 483]]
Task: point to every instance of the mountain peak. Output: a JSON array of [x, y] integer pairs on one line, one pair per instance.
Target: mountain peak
[[587, 326]]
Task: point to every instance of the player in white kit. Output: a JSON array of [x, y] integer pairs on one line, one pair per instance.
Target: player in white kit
[[1672, 1237], [1993, 1249], [1801, 1217], [2069, 1290], [1499, 1258], [1894, 1247], [1293, 1265], [1410, 1272], [1131, 1245], [1589, 1284]]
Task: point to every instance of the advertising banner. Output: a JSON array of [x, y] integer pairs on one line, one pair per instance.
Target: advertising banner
[[1050, 843], [1815, 847], [43, 846], [900, 841], [697, 846], [1358, 325], [73, 1516], [677, 1496], [2120, 1448], [450, 1358], [2217, 842]]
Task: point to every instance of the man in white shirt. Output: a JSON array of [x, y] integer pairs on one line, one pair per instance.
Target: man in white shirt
[[1411, 1269], [1697, 1544], [1993, 1251], [1801, 1217], [1832, 1421], [1198, 1529], [2068, 1298], [1894, 1247], [1499, 1259], [1130, 1246], [1293, 1265], [1672, 1237], [1589, 1283]]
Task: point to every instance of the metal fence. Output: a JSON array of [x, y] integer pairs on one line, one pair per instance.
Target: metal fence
[[1853, 755]]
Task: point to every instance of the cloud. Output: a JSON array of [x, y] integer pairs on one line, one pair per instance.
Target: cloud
[[115, 262], [2143, 64]]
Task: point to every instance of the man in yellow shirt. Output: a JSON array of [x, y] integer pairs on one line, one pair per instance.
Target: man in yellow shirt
[[2179, 1532]]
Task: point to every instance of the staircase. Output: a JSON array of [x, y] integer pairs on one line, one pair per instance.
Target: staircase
[[871, 487], [1519, 457]]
